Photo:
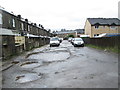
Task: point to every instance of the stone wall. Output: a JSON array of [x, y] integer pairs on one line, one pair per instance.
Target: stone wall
[[10, 48]]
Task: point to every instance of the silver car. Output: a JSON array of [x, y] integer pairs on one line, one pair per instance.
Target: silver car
[[78, 42], [54, 41]]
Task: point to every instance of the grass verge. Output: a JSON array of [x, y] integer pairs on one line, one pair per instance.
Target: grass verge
[[111, 49]]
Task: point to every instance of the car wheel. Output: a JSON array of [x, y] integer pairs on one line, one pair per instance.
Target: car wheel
[[82, 45], [74, 45]]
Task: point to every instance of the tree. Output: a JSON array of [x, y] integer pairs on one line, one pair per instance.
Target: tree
[[71, 36]]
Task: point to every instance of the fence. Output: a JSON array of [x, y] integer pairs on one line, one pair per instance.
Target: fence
[[104, 41]]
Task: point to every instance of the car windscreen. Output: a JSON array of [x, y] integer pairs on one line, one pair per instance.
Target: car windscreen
[[54, 39], [70, 38], [78, 39]]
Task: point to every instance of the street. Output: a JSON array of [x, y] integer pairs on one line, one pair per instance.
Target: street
[[65, 66]]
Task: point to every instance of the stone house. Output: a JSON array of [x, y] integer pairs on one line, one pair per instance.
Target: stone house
[[66, 33], [18, 34], [95, 26]]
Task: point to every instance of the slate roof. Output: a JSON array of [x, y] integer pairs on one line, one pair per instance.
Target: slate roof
[[65, 32], [104, 21], [80, 31]]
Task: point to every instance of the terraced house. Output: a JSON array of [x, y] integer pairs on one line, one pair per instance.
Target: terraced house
[[18, 34], [96, 26]]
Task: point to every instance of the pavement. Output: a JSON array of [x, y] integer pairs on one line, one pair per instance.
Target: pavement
[[6, 64]]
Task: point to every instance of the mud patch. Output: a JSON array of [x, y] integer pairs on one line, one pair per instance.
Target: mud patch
[[30, 64], [15, 62], [24, 78]]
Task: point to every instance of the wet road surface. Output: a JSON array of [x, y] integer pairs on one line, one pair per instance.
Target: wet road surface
[[63, 67]]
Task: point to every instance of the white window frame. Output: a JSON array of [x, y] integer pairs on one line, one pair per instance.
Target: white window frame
[[13, 22], [22, 26], [1, 22], [113, 27], [28, 28]]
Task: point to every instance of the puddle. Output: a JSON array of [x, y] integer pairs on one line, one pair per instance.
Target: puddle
[[57, 50], [51, 56], [24, 78], [60, 49]]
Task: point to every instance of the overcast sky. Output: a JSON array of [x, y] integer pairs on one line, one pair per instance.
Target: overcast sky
[[60, 14]]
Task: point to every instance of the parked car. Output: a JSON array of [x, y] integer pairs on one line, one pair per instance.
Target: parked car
[[69, 39], [78, 42], [72, 41], [54, 41], [60, 39]]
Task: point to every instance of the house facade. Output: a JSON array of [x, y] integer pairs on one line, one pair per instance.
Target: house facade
[[96, 26], [80, 32], [66, 33], [18, 34]]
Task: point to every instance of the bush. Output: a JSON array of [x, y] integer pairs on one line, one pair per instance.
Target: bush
[[70, 36]]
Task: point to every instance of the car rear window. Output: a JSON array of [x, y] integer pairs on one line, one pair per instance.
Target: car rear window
[[78, 39], [54, 39]]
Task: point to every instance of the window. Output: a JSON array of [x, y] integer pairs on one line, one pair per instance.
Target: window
[[13, 21], [22, 26], [113, 27], [28, 28], [54, 39], [96, 34], [78, 39], [0, 18], [96, 26], [103, 26]]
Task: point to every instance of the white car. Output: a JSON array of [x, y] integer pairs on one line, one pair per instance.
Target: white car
[[72, 41], [78, 42], [54, 41], [69, 39], [60, 39]]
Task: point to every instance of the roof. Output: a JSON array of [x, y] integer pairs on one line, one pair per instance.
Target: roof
[[4, 31], [65, 32], [22, 19], [104, 21], [80, 31], [108, 35]]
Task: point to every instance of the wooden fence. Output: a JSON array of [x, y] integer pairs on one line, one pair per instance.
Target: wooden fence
[[104, 41]]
